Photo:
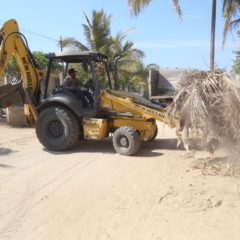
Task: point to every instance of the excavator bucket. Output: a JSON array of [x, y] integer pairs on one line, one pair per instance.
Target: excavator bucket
[[11, 95]]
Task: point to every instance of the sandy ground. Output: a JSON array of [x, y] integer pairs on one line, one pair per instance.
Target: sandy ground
[[93, 193]]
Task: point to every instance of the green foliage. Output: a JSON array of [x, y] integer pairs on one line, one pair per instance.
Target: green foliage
[[97, 31], [121, 53], [230, 12], [136, 77], [236, 61], [41, 59], [13, 70], [125, 60]]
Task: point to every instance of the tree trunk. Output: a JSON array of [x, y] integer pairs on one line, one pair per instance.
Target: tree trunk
[[212, 50], [116, 76]]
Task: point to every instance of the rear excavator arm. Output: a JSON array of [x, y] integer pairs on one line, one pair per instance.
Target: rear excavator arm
[[13, 42]]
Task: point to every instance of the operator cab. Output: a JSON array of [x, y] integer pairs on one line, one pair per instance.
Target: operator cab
[[92, 73]]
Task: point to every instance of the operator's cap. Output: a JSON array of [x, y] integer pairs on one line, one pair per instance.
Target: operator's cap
[[71, 70]]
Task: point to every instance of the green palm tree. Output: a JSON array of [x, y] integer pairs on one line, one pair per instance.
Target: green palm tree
[[123, 54], [96, 31], [135, 76], [230, 11], [98, 38], [137, 5]]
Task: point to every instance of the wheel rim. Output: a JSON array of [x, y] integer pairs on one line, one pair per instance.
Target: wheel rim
[[55, 128], [123, 142]]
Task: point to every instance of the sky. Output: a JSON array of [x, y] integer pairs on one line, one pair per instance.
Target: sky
[[157, 30]]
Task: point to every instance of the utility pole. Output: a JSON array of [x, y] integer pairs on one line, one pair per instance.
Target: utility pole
[[61, 43], [212, 50]]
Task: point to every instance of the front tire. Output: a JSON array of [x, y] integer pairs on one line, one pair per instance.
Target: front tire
[[154, 134], [57, 128], [126, 141]]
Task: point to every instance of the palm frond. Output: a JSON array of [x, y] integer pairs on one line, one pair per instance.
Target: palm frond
[[87, 34], [124, 34], [97, 30], [88, 21], [209, 103], [73, 43], [230, 12], [178, 9], [136, 6]]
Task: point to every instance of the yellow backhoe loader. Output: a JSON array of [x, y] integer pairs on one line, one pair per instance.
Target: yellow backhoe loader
[[59, 116]]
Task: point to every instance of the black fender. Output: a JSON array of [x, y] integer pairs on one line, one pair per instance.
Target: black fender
[[64, 98]]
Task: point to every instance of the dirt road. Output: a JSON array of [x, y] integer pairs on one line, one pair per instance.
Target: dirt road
[[93, 193]]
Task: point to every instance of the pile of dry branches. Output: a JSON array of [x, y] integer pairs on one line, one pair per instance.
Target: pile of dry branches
[[208, 104]]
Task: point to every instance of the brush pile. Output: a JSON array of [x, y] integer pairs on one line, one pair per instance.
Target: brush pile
[[208, 105]]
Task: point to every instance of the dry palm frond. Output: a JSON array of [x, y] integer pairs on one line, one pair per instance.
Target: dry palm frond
[[209, 102]]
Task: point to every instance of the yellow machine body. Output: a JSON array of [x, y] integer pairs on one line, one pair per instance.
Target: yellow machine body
[[121, 109], [129, 117], [12, 42]]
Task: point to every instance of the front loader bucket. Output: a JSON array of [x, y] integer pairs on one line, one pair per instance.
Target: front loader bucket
[[11, 95]]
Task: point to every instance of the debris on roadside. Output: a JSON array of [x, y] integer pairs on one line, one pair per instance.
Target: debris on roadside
[[208, 105]]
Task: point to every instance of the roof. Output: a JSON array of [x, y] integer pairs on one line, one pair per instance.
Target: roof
[[76, 56]]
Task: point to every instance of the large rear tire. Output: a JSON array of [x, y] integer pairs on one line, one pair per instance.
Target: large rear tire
[[126, 141], [57, 128]]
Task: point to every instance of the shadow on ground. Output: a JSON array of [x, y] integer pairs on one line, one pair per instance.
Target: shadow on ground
[[105, 146], [6, 166], [5, 151], [163, 144]]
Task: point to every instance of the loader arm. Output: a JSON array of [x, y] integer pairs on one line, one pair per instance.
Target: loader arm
[[124, 102], [13, 42]]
